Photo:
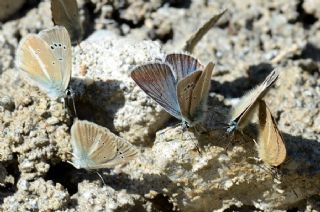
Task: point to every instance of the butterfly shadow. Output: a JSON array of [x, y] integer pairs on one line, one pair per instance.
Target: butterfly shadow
[[300, 172], [68, 176], [99, 101], [303, 156]]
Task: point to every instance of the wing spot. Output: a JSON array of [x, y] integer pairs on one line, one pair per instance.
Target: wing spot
[[64, 47], [60, 44], [52, 47], [53, 63], [56, 45]]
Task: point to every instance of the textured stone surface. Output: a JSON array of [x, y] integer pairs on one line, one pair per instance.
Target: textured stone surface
[[169, 173]]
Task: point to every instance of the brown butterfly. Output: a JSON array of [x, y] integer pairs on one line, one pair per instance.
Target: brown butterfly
[[242, 113], [95, 147], [46, 59], [271, 147]]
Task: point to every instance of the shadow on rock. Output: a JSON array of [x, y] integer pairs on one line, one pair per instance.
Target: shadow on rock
[[99, 101], [8, 179], [239, 87]]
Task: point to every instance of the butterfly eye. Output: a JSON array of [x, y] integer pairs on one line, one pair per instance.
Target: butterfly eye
[[68, 92]]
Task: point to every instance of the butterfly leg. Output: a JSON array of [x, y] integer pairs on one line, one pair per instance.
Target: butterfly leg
[[196, 144]]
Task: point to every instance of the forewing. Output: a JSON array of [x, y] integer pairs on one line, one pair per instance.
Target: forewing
[[271, 149], [183, 65], [184, 93], [65, 13], [156, 80], [36, 59], [60, 45], [243, 111], [201, 90]]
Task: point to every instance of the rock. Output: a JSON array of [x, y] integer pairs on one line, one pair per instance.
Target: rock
[[169, 173], [108, 89]]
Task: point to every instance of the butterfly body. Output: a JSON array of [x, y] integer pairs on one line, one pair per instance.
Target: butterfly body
[[180, 84], [46, 59]]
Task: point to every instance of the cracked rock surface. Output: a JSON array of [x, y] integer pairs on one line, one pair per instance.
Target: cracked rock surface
[[169, 173]]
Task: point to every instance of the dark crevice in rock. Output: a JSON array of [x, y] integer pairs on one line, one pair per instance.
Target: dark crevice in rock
[[64, 173], [156, 34], [310, 51], [13, 170], [306, 19], [162, 203], [179, 3], [117, 17], [242, 208]]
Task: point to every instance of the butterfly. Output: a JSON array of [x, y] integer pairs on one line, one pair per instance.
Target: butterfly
[[96, 147], [47, 60], [242, 113], [65, 13], [271, 147], [180, 84]]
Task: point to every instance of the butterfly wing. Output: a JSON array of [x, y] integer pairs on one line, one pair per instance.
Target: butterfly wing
[[242, 113], [183, 64], [201, 91], [157, 80], [35, 58], [185, 88], [95, 147], [59, 41], [271, 147], [125, 152], [65, 13]]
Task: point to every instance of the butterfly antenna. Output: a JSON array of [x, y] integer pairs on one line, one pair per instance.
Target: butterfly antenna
[[101, 178], [74, 106]]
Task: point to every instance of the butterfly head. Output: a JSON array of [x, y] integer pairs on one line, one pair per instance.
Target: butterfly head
[[185, 125], [232, 127]]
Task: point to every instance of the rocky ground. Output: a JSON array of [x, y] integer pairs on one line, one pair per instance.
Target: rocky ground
[[169, 174]]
